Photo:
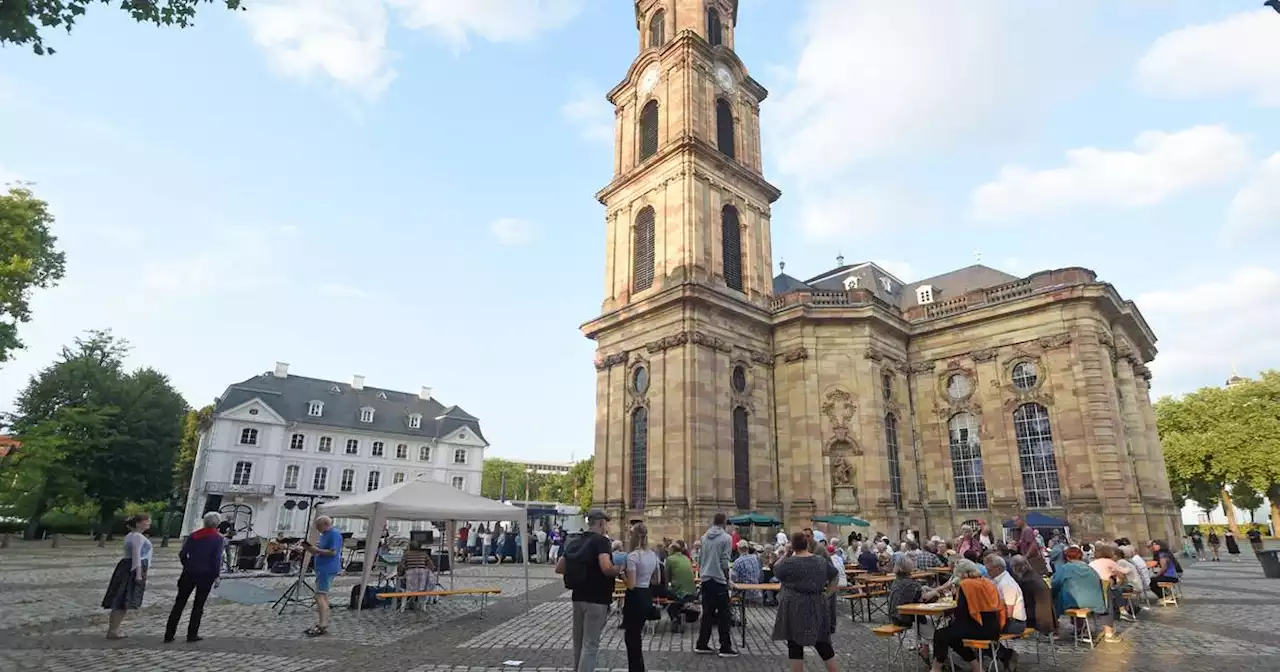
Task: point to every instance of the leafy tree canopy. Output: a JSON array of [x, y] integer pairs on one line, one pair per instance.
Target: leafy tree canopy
[[28, 259], [26, 22]]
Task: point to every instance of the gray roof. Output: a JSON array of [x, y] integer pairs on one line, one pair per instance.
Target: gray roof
[[957, 283], [290, 397]]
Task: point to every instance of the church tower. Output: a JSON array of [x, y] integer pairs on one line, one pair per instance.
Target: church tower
[[684, 396]]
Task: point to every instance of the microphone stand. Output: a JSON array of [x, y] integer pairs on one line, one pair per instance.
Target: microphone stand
[[300, 593]]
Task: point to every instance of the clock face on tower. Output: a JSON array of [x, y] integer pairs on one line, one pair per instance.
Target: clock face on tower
[[724, 78], [649, 79]]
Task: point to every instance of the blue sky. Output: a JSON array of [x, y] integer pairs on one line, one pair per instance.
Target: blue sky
[[404, 188]]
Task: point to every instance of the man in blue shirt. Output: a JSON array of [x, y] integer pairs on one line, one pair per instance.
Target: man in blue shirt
[[328, 552]]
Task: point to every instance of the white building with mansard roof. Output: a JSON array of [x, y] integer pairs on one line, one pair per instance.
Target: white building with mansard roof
[[276, 434]]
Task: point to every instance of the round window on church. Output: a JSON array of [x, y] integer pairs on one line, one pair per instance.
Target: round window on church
[[640, 380], [959, 386], [739, 379], [1025, 375]]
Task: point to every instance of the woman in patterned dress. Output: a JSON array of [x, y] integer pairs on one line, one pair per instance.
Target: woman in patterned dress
[[804, 616], [129, 580]]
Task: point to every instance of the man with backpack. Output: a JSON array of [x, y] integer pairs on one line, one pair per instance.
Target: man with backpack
[[588, 570]]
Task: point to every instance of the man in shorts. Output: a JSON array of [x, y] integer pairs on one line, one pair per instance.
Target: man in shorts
[[328, 552]]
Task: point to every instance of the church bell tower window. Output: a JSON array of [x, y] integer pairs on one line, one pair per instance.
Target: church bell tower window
[[642, 255], [715, 32], [731, 247], [658, 29], [649, 130], [724, 127]]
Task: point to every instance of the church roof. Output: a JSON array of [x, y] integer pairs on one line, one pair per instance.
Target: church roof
[[290, 396], [889, 287], [957, 282]]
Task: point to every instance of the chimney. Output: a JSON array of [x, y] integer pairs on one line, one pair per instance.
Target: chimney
[[425, 394], [357, 382], [282, 370]]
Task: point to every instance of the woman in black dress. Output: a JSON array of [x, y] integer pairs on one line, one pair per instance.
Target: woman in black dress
[[1232, 547], [804, 617]]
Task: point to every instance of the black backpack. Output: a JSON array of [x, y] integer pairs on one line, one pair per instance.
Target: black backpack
[[577, 556]]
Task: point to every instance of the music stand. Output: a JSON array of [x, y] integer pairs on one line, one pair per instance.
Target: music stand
[[300, 593]]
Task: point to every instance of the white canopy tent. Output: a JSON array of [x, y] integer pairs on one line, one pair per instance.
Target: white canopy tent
[[422, 499]]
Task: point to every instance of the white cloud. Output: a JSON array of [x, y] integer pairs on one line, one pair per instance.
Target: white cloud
[[1257, 205], [494, 20], [511, 231], [335, 290], [1240, 54], [230, 261], [588, 110], [844, 212], [345, 40], [1208, 327], [1160, 165], [877, 78]]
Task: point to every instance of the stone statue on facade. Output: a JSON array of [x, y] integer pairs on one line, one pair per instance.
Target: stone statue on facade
[[842, 471]]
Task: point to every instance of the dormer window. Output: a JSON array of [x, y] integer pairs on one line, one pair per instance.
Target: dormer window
[[415, 421], [366, 415], [334, 389], [924, 294], [315, 409], [887, 283], [382, 396], [851, 282]]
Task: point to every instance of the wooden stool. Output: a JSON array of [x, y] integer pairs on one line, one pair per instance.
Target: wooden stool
[[980, 645], [1168, 594], [1078, 617], [896, 634]]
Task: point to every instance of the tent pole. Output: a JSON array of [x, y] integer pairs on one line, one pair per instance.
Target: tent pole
[[526, 567], [370, 552], [453, 569]]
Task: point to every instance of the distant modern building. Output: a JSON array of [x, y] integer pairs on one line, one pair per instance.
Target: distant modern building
[[545, 467], [276, 434]]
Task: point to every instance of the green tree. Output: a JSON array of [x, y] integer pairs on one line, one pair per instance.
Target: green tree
[[119, 432], [28, 258], [195, 422], [23, 22], [1247, 498], [491, 479]]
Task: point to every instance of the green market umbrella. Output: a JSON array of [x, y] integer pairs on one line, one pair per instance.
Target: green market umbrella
[[754, 519], [841, 519]]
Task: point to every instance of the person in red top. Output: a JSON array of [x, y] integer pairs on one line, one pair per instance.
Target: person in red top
[[462, 541], [736, 537]]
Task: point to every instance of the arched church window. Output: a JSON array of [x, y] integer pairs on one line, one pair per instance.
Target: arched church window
[[658, 29], [966, 463], [649, 130], [642, 251], [731, 247], [895, 469], [724, 127], [715, 32], [741, 460], [1035, 456], [639, 457]]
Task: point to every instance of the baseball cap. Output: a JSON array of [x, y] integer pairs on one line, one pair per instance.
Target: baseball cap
[[596, 514]]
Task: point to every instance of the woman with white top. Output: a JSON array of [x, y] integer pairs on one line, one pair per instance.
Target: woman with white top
[[129, 580], [641, 572]]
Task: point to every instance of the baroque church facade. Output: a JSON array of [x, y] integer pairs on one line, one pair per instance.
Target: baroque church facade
[[973, 395]]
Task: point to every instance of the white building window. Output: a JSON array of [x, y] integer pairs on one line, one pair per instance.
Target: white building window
[[460, 456], [297, 441], [459, 482], [348, 482], [424, 453], [415, 421], [398, 477], [378, 449], [402, 451], [366, 415], [284, 522], [375, 480], [315, 409], [886, 283], [353, 446], [242, 474], [248, 436], [924, 294], [320, 481], [291, 474], [851, 282], [325, 445]]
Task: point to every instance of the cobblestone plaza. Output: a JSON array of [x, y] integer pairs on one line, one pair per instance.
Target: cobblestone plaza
[[50, 619]]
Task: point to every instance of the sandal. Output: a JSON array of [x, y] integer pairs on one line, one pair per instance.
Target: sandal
[[115, 637], [316, 631]]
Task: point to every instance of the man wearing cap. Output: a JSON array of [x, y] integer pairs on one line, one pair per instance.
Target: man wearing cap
[[587, 563]]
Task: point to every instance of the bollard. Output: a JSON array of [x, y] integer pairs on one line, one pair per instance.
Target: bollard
[[4, 541], [55, 536]]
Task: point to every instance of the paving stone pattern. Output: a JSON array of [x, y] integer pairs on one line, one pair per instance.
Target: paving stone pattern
[[50, 619]]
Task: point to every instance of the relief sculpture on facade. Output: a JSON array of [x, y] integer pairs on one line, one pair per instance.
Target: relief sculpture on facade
[[842, 448]]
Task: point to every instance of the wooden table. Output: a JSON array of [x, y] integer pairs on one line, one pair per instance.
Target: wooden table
[[742, 589], [934, 611]]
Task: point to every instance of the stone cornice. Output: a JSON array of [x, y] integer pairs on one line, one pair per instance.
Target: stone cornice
[[681, 339], [794, 354], [682, 148], [684, 292]]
